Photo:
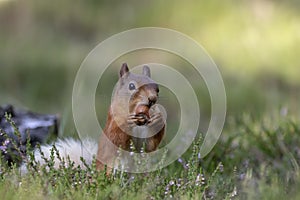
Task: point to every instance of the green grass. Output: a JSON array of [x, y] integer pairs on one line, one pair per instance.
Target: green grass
[[252, 160], [254, 43]]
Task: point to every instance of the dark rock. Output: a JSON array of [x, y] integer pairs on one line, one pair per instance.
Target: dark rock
[[33, 126]]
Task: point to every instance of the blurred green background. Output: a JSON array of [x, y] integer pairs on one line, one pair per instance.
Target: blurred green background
[[256, 45]]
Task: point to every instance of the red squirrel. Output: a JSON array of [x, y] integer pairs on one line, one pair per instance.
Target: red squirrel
[[132, 116]]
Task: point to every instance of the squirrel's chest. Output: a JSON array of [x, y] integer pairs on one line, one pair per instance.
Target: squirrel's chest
[[141, 134]]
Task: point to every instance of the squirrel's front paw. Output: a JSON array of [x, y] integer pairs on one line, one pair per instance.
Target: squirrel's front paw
[[156, 122], [140, 119], [157, 119]]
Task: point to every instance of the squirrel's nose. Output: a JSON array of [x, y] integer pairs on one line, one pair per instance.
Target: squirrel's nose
[[152, 100]]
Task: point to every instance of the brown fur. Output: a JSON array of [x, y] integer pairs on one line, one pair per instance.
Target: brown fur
[[115, 132]]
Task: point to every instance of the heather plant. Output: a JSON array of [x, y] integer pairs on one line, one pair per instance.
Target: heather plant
[[239, 168]]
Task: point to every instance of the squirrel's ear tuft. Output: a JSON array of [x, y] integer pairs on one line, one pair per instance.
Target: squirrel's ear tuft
[[124, 69], [146, 71]]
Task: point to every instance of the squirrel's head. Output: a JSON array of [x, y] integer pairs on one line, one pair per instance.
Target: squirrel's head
[[140, 87], [133, 90]]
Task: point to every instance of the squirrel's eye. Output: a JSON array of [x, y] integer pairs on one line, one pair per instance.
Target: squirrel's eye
[[131, 86]]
